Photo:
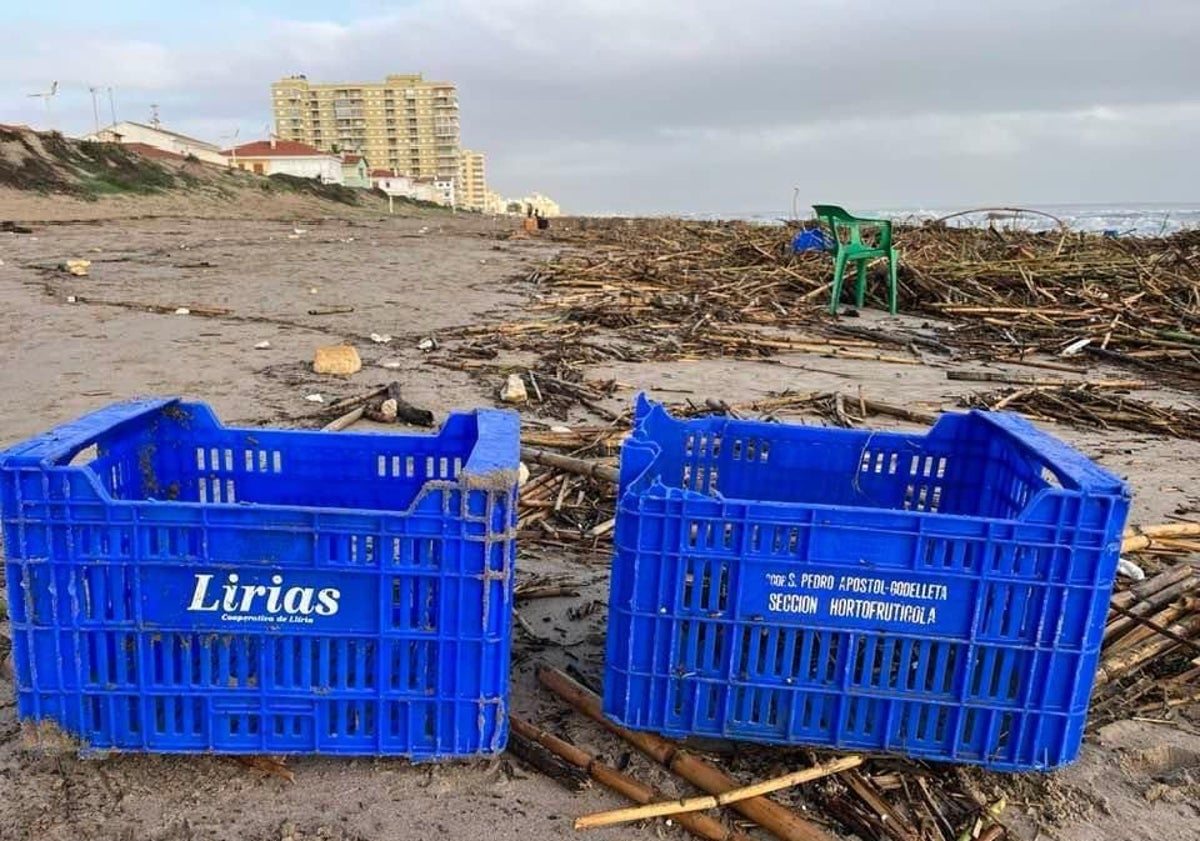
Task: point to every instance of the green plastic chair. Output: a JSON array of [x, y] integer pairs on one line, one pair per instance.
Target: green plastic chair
[[852, 248]]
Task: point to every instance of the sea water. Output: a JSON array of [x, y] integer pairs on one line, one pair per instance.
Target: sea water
[[1131, 219]]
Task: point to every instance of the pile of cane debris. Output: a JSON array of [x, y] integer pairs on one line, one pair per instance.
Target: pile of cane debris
[[665, 290]]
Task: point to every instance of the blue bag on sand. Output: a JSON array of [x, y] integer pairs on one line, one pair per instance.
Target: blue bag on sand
[[811, 239]]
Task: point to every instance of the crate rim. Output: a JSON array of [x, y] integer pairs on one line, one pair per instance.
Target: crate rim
[[1107, 483], [493, 462]]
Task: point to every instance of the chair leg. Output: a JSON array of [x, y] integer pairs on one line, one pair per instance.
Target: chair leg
[[860, 291], [839, 270], [892, 261]]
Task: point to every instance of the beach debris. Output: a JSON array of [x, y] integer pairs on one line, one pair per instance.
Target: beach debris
[[522, 475], [265, 344], [340, 360], [313, 291], [702, 826], [163, 309], [725, 798], [513, 390], [777, 819], [380, 338], [338, 310], [1092, 405], [78, 268], [299, 231], [391, 364], [268, 765], [1076, 346], [578, 466], [343, 421], [314, 398], [70, 298], [14, 228], [392, 408], [427, 345], [1129, 569], [539, 758]]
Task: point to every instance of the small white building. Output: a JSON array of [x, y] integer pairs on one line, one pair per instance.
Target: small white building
[[286, 157], [392, 183], [426, 189], [157, 137], [445, 191]]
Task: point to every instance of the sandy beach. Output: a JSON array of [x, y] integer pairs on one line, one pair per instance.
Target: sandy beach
[[73, 344]]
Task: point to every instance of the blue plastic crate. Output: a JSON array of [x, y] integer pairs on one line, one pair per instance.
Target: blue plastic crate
[[175, 585], [938, 595]]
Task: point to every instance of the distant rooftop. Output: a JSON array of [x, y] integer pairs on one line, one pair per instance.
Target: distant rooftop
[[278, 149], [116, 127]]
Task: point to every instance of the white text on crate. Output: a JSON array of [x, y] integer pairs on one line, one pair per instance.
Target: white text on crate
[[260, 599]]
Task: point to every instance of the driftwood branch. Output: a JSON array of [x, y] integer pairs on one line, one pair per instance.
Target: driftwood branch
[[699, 825], [780, 821], [712, 801], [578, 466]]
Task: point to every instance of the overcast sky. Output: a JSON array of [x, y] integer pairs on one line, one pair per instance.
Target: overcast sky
[[683, 105]]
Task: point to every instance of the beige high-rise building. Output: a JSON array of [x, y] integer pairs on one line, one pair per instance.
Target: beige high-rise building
[[403, 123], [472, 182]]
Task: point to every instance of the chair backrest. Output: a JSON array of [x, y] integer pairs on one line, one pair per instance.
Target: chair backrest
[[838, 218]]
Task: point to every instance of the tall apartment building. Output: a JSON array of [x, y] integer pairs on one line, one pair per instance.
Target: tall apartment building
[[472, 183], [403, 123]]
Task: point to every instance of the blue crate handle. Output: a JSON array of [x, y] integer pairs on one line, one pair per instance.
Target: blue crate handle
[[1072, 467], [1075, 470], [61, 443]]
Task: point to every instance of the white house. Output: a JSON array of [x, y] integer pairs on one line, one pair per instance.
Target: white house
[[392, 183], [286, 157], [426, 189], [445, 191], [157, 137]]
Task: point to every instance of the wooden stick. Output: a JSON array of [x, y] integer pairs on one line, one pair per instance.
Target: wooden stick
[[1129, 659], [1049, 366], [163, 309], [1157, 628], [1145, 589], [1152, 602], [892, 821], [536, 756], [1020, 379], [903, 412], [578, 466], [349, 419], [547, 591], [700, 825], [780, 821], [725, 798], [1139, 537], [1140, 634], [357, 400]]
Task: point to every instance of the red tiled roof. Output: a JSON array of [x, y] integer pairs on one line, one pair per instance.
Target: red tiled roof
[[281, 149], [385, 173], [351, 159]]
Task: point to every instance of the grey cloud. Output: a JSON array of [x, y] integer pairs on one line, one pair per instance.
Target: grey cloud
[[674, 105]]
